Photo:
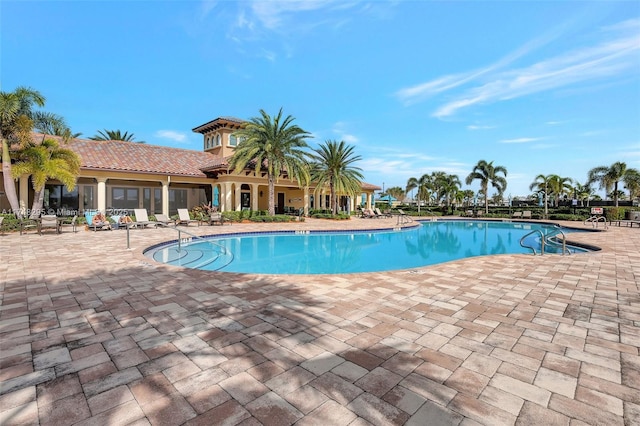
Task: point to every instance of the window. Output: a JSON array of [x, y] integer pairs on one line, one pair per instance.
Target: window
[[233, 141], [88, 201], [124, 198], [177, 200], [218, 139], [146, 199], [57, 197], [207, 142], [157, 200]]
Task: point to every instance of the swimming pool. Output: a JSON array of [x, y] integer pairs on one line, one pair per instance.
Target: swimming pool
[[358, 251]]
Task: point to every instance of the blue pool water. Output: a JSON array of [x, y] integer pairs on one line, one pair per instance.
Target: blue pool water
[[351, 252]]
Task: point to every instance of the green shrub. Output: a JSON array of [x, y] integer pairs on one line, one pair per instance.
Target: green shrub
[[272, 219]]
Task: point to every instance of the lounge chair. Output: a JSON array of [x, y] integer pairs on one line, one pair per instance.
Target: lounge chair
[[216, 218], [380, 214], [469, 213], [101, 225], [184, 218], [368, 213], [526, 214], [516, 215], [142, 219], [162, 219]]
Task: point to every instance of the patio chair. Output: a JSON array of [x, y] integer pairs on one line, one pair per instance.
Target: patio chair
[[184, 218], [216, 218], [142, 219], [163, 220], [49, 221], [516, 215], [526, 214], [73, 223]]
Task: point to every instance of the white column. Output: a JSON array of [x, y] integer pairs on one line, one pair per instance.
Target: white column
[[254, 197], [102, 194], [23, 194], [237, 198], [165, 197], [306, 201], [228, 197], [369, 200]]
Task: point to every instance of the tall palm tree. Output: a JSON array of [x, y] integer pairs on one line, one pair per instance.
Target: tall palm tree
[[448, 186], [559, 186], [16, 123], [276, 145], [47, 160], [333, 166], [541, 185], [53, 125], [114, 135], [487, 174], [424, 186], [583, 192], [632, 183], [609, 177]]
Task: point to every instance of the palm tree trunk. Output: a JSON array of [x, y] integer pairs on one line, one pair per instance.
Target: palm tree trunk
[[9, 184], [38, 202], [615, 193], [272, 189]]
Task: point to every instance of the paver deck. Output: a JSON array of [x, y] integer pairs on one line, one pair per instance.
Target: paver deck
[[93, 333]]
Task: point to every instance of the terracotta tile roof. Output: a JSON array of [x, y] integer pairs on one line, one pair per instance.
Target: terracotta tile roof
[[139, 157], [146, 158]]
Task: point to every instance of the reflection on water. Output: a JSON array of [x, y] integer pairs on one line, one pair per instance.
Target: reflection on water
[[318, 253]]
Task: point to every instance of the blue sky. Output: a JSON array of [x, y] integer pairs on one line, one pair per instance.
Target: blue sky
[[416, 86]]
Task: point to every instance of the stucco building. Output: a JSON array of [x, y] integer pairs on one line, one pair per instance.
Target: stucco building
[[126, 175]]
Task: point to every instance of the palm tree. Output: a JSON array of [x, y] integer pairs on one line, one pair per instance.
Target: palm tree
[[541, 185], [53, 125], [559, 186], [632, 183], [448, 186], [333, 166], [15, 127], [583, 192], [276, 145], [609, 177], [487, 174], [424, 186], [47, 160], [114, 135]]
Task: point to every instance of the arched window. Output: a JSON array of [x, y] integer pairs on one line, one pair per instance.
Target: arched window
[[218, 139], [233, 141]]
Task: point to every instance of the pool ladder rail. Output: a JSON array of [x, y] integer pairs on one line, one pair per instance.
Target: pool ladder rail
[[546, 240], [594, 220]]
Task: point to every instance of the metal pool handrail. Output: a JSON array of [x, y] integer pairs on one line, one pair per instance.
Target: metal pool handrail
[[546, 239]]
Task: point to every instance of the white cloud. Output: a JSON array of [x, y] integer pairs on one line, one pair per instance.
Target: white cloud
[[520, 140], [477, 127], [614, 56], [172, 135]]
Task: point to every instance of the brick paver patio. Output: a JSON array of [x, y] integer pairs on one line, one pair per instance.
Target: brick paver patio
[[95, 334]]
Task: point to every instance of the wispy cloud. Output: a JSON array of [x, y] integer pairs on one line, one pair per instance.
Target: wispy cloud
[[477, 127], [614, 56], [339, 128], [281, 24], [520, 140], [171, 135]]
